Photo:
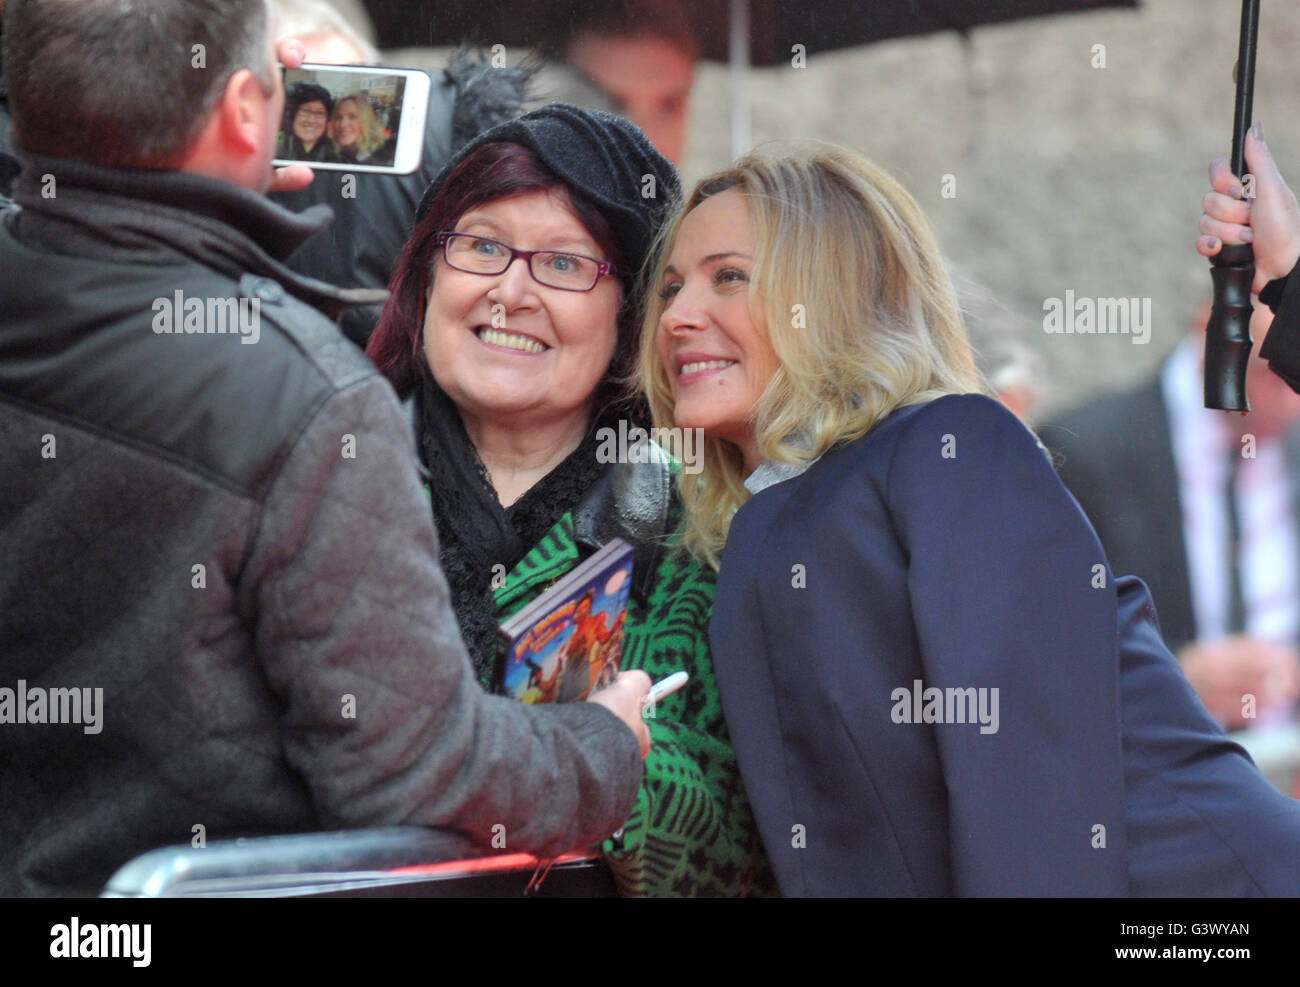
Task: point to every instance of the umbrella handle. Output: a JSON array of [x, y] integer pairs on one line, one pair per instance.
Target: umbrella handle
[[1227, 335]]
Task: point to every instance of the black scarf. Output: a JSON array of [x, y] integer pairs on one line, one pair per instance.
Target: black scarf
[[476, 533]]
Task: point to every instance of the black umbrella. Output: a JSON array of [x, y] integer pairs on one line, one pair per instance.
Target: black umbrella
[[774, 25], [1227, 336], [741, 32]]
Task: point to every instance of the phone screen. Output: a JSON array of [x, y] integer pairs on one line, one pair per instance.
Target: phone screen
[[348, 117]]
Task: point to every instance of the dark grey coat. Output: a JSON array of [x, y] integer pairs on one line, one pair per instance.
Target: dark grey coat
[[312, 677]]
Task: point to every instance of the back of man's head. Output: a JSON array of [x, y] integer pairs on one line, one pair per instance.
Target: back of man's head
[[126, 84]]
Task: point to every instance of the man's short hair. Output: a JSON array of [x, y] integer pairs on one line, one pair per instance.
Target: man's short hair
[[667, 20], [125, 84]]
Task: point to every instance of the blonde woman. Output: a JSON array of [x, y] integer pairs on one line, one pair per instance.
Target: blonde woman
[[355, 129], [934, 684]]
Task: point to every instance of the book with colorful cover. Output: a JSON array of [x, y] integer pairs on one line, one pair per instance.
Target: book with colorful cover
[[568, 642]]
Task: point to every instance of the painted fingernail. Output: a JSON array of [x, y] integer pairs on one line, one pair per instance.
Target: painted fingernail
[[1257, 128], [1247, 236]]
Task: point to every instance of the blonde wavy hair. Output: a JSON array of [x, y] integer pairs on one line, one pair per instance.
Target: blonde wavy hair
[[858, 305], [372, 135]]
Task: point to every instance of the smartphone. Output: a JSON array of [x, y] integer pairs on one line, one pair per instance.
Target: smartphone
[[353, 118]]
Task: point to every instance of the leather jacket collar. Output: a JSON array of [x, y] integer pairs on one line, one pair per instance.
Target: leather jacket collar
[[169, 217]]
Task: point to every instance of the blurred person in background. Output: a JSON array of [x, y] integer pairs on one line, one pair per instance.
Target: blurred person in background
[[642, 53], [330, 33], [1011, 368], [1205, 507]]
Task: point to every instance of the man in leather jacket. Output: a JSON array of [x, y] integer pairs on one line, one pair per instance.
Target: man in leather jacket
[[223, 611]]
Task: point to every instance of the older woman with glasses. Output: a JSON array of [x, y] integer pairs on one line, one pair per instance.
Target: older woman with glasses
[[513, 327], [307, 109]]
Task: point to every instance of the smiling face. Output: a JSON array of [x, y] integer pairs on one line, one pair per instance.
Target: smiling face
[[718, 361], [309, 123], [347, 123], [507, 349]]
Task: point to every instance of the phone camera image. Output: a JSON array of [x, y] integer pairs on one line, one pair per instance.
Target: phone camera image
[[344, 117]]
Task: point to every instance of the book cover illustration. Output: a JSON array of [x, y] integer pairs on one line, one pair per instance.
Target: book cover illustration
[[568, 642]]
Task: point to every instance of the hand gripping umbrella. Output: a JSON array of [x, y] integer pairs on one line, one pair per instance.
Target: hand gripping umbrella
[[1227, 336]]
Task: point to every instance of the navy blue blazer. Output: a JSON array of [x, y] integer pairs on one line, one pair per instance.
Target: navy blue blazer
[[941, 552]]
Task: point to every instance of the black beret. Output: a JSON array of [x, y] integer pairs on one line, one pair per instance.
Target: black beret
[[298, 93], [602, 156]]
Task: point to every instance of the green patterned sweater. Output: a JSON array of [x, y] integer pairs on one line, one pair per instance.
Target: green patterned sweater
[[691, 832]]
